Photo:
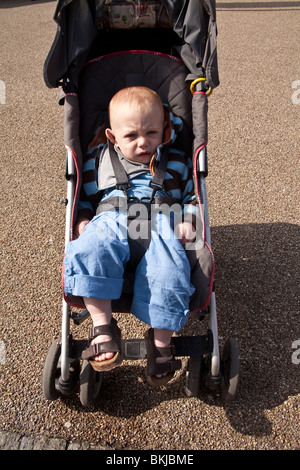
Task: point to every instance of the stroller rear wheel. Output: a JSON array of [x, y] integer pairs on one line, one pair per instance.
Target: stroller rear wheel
[[90, 384], [230, 369]]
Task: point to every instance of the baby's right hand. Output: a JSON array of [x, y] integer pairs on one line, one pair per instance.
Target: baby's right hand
[[80, 226]]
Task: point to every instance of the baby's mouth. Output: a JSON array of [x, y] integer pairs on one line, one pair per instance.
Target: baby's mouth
[[144, 154]]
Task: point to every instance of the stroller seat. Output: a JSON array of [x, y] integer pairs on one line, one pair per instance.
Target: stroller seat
[[101, 78]]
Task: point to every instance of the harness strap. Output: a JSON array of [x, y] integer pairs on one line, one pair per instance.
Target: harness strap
[[122, 181], [160, 173]]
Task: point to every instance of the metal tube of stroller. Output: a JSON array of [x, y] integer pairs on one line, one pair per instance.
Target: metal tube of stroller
[[65, 361], [202, 161], [215, 357], [213, 324]]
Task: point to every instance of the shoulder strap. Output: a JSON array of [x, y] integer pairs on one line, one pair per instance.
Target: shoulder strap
[[122, 181]]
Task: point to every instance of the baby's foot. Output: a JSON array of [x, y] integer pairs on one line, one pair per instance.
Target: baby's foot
[[162, 360], [161, 363], [162, 339], [105, 330], [105, 348], [102, 356]]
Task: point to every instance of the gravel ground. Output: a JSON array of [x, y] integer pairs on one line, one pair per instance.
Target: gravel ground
[[253, 195]]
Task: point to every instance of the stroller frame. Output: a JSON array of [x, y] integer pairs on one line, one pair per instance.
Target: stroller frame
[[206, 369]]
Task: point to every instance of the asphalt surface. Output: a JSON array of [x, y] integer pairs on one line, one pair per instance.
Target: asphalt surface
[[253, 194]]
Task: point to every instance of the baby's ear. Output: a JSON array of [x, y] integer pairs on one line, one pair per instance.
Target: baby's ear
[[110, 135]]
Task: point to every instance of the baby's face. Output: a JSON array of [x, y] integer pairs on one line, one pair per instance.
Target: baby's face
[[137, 133]]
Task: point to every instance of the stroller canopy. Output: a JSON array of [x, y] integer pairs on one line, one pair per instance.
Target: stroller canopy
[[80, 23]]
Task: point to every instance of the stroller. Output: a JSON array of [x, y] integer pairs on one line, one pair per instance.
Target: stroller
[[100, 47]]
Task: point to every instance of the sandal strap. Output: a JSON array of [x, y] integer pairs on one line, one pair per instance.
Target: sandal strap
[[100, 330], [167, 351], [107, 330], [113, 345], [98, 348], [169, 366], [154, 352]]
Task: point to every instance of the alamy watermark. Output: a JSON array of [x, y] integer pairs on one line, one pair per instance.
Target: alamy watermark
[[140, 221], [296, 93], [2, 353], [2, 92], [296, 353]]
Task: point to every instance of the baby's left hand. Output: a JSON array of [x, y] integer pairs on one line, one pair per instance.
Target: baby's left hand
[[185, 232]]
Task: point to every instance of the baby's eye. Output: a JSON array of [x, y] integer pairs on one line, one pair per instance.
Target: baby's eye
[[130, 136]]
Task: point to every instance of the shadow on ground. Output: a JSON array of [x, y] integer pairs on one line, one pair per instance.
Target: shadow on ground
[[257, 292]]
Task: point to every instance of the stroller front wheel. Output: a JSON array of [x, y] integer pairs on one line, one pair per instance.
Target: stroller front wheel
[[51, 371], [53, 387]]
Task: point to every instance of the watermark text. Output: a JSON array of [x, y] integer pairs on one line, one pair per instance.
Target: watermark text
[[296, 354], [296, 93], [2, 92]]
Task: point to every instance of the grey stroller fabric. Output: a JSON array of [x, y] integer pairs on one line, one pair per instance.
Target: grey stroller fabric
[[104, 77]]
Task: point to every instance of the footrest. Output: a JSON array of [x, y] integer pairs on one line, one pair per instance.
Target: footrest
[[184, 346], [134, 349], [193, 345]]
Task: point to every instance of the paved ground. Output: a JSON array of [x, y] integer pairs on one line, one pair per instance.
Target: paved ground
[[253, 194], [18, 441]]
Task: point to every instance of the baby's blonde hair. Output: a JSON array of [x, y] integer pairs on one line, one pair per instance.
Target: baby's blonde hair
[[140, 97]]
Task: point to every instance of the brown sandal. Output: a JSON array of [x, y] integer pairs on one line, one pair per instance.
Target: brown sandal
[[153, 368], [114, 345]]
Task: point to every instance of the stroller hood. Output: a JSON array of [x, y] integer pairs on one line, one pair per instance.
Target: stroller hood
[[79, 22]]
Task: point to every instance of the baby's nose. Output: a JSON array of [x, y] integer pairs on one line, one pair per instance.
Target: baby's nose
[[142, 141]]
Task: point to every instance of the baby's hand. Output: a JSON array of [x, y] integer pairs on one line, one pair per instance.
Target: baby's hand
[[185, 232], [80, 226]]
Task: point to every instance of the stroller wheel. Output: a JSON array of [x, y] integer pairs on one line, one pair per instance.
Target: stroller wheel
[[230, 370], [193, 376], [52, 385], [90, 384], [51, 372]]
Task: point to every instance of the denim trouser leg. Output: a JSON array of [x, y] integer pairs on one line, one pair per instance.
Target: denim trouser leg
[[94, 263], [162, 282]]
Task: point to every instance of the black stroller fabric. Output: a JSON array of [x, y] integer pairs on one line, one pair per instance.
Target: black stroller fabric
[[79, 22]]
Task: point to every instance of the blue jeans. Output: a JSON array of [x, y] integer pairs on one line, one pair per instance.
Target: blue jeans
[[95, 262]]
